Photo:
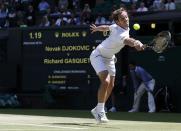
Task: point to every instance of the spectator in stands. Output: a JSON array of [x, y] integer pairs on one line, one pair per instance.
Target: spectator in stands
[[3, 10], [21, 23], [53, 22], [158, 5], [72, 20], [30, 16], [86, 15], [66, 12], [76, 5], [134, 1], [133, 8], [55, 12], [110, 20], [86, 20], [100, 19], [43, 6], [63, 4], [147, 3], [86, 10], [45, 21], [15, 4], [12, 17], [21, 19], [162, 5], [3, 14], [127, 1], [61, 21], [170, 5], [65, 15], [142, 7], [48, 11], [25, 3]]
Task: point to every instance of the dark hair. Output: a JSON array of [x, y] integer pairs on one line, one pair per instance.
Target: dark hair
[[116, 13]]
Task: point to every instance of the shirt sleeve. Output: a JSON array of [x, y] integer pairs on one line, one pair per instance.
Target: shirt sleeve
[[111, 27]]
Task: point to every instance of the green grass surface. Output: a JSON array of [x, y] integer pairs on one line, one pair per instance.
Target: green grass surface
[[43, 120]]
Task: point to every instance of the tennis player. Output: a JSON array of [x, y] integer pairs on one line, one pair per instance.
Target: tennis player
[[102, 58]]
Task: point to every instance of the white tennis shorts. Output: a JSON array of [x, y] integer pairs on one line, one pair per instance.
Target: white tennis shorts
[[101, 63]]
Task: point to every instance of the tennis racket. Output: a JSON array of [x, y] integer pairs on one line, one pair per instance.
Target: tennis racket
[[160, 42]]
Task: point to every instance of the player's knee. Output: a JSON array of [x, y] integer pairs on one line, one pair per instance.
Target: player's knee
[[105, 83]]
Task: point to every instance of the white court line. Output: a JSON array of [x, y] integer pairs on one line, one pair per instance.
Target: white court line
[[30, 129], [40, 125]]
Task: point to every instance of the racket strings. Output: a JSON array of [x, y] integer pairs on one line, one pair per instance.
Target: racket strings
[[160, 42]]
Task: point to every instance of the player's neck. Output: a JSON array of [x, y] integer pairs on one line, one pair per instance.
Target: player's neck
[[122, 26]]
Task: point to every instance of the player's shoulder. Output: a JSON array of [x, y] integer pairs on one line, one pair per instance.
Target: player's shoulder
[[113, 26]]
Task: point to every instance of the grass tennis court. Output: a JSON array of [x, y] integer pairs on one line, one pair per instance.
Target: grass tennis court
[[76, 120]]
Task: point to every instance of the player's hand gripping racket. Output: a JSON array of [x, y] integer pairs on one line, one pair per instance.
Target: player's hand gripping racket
[[160, 42]]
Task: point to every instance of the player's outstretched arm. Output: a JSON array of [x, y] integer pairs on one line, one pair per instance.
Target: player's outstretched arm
[[102, 28], [134, 43]]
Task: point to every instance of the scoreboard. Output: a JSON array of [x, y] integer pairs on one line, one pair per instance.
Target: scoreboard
[[58, 57]]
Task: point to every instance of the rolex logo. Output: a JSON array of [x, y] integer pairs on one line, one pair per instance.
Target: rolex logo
[[56, 34], [84, 33]]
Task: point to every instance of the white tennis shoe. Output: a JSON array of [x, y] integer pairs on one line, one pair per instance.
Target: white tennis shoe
[[100, 117], [133, 110], [94, 113]]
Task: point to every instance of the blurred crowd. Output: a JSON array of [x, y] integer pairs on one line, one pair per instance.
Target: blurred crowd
[[45, 13]]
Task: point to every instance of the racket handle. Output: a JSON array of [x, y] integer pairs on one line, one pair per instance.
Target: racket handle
[[148, 46]]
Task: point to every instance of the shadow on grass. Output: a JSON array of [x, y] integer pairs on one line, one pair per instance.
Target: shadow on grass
[[153, 117], [86, 125]]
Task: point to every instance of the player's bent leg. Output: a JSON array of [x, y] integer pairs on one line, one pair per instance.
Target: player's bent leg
[[102, 115], [102, 93], [110, 87], [98, 112], [105, 81]]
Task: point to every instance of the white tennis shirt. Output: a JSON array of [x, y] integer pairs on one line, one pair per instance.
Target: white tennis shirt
[[114, 43]]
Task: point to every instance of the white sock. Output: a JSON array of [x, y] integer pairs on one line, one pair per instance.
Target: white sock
[[100, 107]]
